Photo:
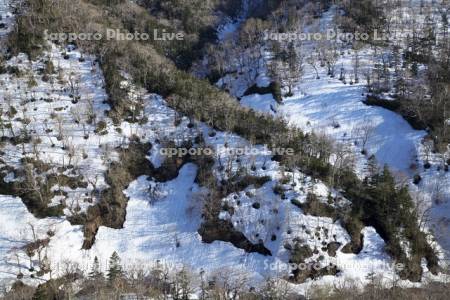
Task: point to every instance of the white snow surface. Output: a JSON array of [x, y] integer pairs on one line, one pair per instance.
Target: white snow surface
[[56, 112], [327, 101], [330, 107], [165, 231], [259, 102]]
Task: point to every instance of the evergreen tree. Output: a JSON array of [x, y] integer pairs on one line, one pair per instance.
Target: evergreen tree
[[40, 293], [415, 68], [115, 269], [95, 272], [372, 168], [385, 202], [293, 67]]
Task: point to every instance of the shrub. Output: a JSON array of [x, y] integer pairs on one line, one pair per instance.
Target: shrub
[[417, 179], [101, 128], [314, 207], [49, 68], [278, 189], [296, 202]]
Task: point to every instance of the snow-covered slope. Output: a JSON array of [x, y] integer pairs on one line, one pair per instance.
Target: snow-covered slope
[[165, 230], [61, 113], [162, 228], [329, 106]]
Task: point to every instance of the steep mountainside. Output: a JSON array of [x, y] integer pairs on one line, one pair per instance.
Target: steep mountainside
[[247, 159]]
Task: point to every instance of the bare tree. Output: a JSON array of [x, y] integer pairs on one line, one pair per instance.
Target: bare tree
[[182, 285], [356, 66], [229, 284], [289, 70], [314, 62], [365, 132], [428, 147], [33, 184], [276, 289]]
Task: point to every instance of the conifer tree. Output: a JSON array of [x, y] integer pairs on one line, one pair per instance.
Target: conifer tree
[[115, 269], [95, 272]]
